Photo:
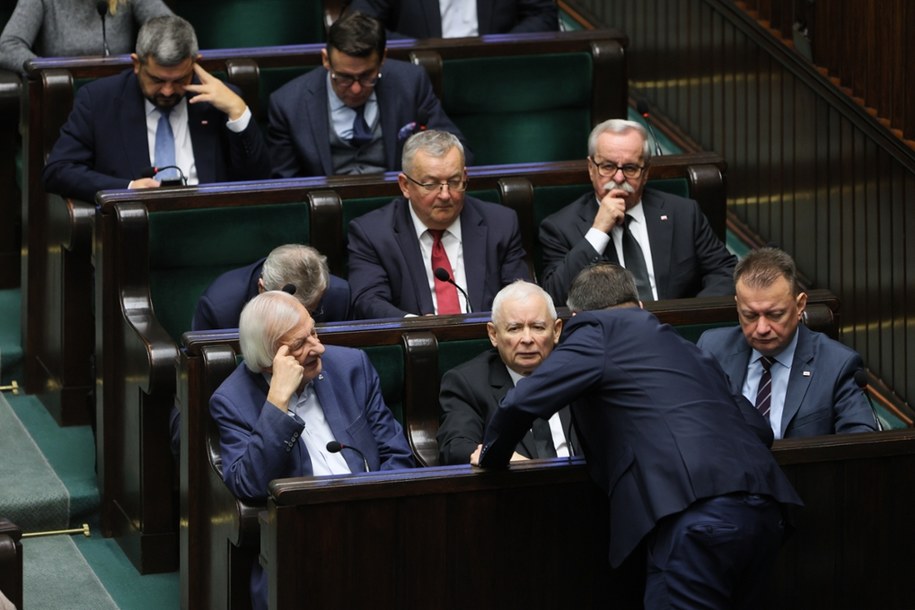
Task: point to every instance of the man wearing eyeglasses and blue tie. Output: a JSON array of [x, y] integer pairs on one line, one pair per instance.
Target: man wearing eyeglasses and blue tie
[[665, 241], [435, 250], [354, 116]]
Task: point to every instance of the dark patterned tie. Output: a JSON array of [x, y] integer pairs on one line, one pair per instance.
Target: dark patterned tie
[[445, 292], [543, 439], [362, 135], [764, 393], [634, 262]]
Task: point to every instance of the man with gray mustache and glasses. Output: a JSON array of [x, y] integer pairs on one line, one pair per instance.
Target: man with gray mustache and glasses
[[664, 240]]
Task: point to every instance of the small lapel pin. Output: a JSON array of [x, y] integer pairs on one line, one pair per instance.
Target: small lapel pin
[[204, 122], [321, 376], [663, 216], [806, 373]]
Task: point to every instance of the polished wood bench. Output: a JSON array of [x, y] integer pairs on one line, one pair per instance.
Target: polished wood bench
[[56, 266], [219, 534]]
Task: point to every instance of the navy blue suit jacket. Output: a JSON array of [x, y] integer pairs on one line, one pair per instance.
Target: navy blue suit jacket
[[259, 442], [658, 423], [469, 396], [822, 396], [221, 303], [298, 129], [386, 269], [423, 19], [103, 144], [689, 260]]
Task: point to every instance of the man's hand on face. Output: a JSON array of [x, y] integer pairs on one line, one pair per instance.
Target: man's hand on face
[[286, 379], [214, 91]]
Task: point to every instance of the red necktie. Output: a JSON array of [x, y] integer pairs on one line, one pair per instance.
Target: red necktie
[[445, 292]]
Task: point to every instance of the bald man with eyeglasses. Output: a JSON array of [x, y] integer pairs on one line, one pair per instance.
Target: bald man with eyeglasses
[[435, 250], [665, 241], [353, 116]]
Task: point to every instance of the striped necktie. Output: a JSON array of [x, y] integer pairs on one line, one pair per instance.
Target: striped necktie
[[764, 393]]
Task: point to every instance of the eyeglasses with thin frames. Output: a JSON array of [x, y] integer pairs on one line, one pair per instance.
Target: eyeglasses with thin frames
[[609, 169], [347, 80], [457, 185]]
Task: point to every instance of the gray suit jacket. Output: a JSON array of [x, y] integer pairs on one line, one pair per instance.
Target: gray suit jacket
[[822, 396], [689, 260]]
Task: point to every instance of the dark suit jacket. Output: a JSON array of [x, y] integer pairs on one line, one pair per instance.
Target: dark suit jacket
[[689, 260], [259, 442], [221, 303], [469, 396], [103, 144], [298, 130], [386, 270], [827, 401], [656, 418], [422, 18]]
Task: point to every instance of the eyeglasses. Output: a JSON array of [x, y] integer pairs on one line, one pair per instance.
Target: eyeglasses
[[347, 80], [609, 169], [457, 185]]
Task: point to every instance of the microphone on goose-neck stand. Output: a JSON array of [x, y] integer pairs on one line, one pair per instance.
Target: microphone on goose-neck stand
[[642, 107], [151, 172], [861, 381], [102, 7], [442, 275], [337, 447]]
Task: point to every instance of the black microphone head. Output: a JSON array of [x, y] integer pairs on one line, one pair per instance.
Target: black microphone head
[[334, 447], [442, 275], [149, 172], [289, 288], [102, 8], [861, 378], [642, 107]]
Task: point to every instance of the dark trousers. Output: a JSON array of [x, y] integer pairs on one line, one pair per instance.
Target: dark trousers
[[716, 554]]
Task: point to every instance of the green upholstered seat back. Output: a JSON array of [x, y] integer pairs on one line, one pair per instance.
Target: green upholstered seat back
[[228, 24], [388, 360], [521, 108], [454, 353], [188, 249], [551, 199]]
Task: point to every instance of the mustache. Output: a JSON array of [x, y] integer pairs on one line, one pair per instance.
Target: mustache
[[624, 186]]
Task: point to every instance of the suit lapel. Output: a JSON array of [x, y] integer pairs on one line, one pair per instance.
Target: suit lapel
[[736, 364], [387, 107], [333, 413], [133, 126], [405, 235], [473, 248], [316, 119], [798, 382], [501, 382], [660, 231], [432, 16], [204, 142]]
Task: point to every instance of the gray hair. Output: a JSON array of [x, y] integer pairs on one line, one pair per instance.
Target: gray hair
[[263, 322], [168, 39], [619, 126], [432, 142], [602, 286], [761, 267], [299, 265], [519, 290]]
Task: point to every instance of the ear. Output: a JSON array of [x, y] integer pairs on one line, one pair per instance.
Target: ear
[[260, 285], [403, 183], [135, 60], [557, 330], [325, 59], [801, 303], [491, 331]]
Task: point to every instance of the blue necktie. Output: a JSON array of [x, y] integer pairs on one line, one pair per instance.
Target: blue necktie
[[165, 147], [362, 135]]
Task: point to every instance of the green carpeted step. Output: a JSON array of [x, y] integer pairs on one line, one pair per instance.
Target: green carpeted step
[[56, 575], [32, 496]]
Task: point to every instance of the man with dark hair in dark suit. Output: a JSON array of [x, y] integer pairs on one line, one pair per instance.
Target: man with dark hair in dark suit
[[353, 116], [809, 379], [438, 19], [523, 331], [121, 126], [683, 461], [396, 252], [665, 241]]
